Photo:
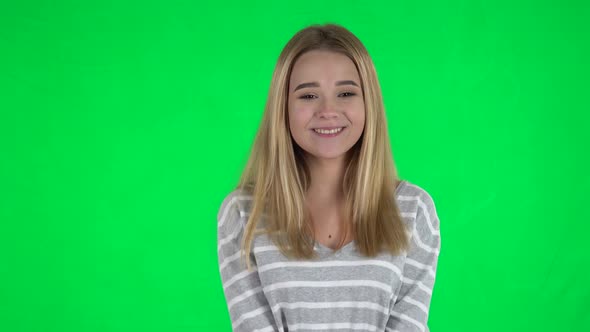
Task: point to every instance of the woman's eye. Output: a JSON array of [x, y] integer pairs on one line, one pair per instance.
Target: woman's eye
[[344, 94]]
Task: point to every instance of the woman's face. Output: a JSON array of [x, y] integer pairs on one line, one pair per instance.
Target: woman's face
[[325, 104]]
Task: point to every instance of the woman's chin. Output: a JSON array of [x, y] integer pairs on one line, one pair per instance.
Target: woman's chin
[[328, 156]]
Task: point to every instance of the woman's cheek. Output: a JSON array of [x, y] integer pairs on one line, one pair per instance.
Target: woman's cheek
[[303, 112]]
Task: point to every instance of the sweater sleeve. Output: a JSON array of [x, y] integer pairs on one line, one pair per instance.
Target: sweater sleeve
[[410, 309], [247, 305]]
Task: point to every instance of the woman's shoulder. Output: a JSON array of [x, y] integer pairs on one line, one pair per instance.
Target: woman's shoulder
[[407, 190], [233, 211], [238, 199], [416, 202]]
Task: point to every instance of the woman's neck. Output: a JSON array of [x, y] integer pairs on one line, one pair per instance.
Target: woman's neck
[[326, 181]]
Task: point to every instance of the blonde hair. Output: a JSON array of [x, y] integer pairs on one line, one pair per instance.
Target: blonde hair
[[277, 176]]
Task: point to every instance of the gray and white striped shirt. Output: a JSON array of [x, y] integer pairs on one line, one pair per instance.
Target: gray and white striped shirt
[[341, 290]]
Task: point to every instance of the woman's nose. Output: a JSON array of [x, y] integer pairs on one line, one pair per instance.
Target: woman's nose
[[327, 109]]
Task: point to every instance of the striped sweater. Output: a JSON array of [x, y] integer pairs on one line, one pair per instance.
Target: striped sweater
[[341, 290]]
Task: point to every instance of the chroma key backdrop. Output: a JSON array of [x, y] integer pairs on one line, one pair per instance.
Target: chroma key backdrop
[[123, 125]]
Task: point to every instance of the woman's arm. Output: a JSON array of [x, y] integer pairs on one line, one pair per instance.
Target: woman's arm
[[247, 305], [410, 310]]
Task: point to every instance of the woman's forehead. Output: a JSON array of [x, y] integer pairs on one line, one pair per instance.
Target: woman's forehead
[[324, 67]]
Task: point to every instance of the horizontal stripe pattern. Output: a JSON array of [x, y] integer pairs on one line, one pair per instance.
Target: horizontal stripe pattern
[[340, 290]]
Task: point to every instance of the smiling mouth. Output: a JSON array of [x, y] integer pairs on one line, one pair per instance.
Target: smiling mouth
[[329, 132]]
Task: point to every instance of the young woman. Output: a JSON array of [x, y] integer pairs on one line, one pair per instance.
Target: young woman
[[332, 239]]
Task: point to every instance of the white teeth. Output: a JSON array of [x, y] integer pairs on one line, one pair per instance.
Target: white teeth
[[331, 131]]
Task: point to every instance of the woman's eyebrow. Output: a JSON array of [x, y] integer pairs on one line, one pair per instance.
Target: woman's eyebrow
[[316, 84], [347, 82]]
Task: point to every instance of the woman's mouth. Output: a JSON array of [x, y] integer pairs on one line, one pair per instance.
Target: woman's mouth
[[329, 132]]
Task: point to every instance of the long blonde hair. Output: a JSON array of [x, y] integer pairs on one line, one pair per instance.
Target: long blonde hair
[[277, 176]]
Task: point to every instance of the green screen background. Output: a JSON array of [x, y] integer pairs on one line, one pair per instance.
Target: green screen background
[[123, 125]]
